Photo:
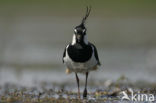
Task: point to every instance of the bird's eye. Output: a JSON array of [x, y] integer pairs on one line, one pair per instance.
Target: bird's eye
[[84, 30], [75, 30]]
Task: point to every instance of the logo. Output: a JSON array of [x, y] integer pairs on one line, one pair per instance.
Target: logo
[[138, 97]]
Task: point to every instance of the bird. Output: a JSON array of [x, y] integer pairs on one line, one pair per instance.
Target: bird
[[80, 55]]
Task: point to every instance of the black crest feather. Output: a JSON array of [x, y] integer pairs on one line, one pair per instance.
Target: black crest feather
[[88, 9]]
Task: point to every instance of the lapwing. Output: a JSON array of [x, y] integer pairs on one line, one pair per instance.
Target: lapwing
[[81, 56]]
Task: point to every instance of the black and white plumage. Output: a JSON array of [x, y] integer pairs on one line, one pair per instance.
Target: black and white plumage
[[81, 56]]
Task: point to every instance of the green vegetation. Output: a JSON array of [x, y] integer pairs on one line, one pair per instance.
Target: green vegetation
[[68, 7]]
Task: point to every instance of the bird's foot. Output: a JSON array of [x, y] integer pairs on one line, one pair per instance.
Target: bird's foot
[[78, 96], [85, 93]]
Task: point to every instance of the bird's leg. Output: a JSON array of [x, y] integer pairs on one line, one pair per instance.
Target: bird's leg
[[85, 90], [77, 79]]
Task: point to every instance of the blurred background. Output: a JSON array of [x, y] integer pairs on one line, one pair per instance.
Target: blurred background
[[34, 33]]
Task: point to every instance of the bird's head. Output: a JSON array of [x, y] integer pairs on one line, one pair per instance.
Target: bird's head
[[80, 30]]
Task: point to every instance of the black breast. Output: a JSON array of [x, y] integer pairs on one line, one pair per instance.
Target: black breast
[[80, 53]]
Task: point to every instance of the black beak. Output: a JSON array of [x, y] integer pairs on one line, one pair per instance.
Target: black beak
[[79, 37]]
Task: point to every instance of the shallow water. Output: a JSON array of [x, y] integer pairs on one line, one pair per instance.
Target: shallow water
[[31, 57], [31, 47], [135, 64]]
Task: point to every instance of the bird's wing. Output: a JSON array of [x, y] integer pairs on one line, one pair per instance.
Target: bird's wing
[[95, 53], [64, 54]]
